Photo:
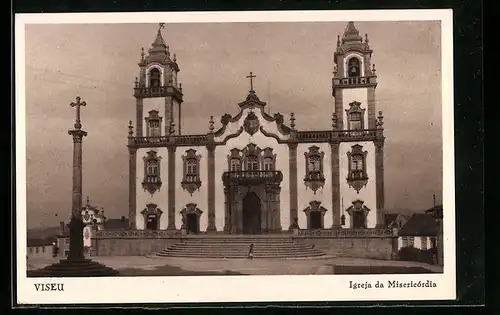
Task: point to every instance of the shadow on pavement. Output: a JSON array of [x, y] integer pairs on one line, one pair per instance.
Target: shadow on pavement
[[168, 270], [360, 270]]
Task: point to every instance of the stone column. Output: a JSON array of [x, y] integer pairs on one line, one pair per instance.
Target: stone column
[[292, 168], [211, 188], [277, 208], [335, 174], [171, 188], [132, 198], [339, 107], [76, 224], [379, 178], [139, 117], [169, 114]]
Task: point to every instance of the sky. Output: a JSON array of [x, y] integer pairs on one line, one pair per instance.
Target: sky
[[293, 63]]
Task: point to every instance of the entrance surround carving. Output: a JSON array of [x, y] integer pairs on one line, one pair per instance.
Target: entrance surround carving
[[151, 209], [315, 206], [357, 207], [191, 209], [265, 185]]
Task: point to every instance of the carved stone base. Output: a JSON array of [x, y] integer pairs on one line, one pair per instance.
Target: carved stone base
[[211, 228], [74, 268], [335, 227], [171, 227]]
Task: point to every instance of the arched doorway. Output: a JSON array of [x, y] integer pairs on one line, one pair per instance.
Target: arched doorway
[[152, 222], [315, 220], [358, 220], [251, 214], [192, 223]]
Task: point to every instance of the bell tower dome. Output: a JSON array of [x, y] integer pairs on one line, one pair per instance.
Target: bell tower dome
[[157, 91]]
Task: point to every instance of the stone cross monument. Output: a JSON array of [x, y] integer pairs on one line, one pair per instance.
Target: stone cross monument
[[76, 224]]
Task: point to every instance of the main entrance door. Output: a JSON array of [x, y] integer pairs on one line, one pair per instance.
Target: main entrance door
[[251, 214], [315, 217], [192, 223], [152, 222], [358, 220]]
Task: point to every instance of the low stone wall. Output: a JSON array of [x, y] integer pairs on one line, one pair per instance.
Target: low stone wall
[[363, 243], [366, 243]]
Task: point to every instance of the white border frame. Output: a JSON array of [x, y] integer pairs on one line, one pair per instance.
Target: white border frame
[[239, 288]]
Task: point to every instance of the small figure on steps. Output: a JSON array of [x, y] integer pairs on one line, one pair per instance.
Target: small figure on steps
[[250, 252]]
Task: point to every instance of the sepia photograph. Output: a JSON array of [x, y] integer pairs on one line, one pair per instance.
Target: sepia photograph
[[175, 147]]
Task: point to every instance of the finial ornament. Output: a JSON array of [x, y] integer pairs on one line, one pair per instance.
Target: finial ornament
[[211, 124], [335, 69], [78, 103], [380, 120], [160, 26], [373, 68], [175, 58], [334, 121], [180, 87], [171, 131], [142, 53], [338, 40], [130, 128], [88, 200], [292, 121], [136, 82], [366, 38]]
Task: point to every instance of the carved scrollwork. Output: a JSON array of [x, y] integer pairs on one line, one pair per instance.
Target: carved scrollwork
[[251, 123], [357, 177], [191, 171], [152, 171]]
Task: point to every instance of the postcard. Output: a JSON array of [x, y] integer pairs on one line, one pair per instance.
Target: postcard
[[234, 157]]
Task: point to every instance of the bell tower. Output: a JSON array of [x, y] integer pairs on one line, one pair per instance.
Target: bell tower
[[353, 75], [360, 132], [158, 92]]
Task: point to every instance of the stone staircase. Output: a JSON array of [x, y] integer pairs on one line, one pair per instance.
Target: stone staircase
[[238, 247]]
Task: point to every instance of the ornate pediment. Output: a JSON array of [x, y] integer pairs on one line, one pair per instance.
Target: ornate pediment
[[315, 206]]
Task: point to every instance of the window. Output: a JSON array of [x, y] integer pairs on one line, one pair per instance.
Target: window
[[314, 177], [66, 241], [235, 165], [252, 163], [355, 121], [411, 241], [357, 176], [153, 123], [354, 67], [152, 171], [31, 250], [405, 241], [37, 249], [355, 116], [43, 249], [269, 160], [66, 253], [268, 164], [191, 170], [423, 239], [154, 78]]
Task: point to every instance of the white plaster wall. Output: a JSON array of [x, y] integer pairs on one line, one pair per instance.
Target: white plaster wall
[[149, 104], [160, 197], [233, 127], [355, 95], [199, 197], [361, 59], [417, 243], [306, 195], [221, 166], [367, 193]]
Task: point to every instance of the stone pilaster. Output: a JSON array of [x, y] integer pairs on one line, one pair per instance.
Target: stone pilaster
[[132, 185], [171, 188], [139, 117], [339, 108], [293, 183], [371, 107], [211, 188], [335, 174], [169, 114], [379, 178], [227, 205]]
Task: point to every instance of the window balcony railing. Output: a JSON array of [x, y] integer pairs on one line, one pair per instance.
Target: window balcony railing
[[252, 176], [152, 179]]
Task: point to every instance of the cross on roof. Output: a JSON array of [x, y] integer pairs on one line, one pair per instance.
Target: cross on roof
[[161, 25], [77, 105], [251, 76]]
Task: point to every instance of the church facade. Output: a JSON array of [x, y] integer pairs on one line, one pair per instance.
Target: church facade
[[255, 173]]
